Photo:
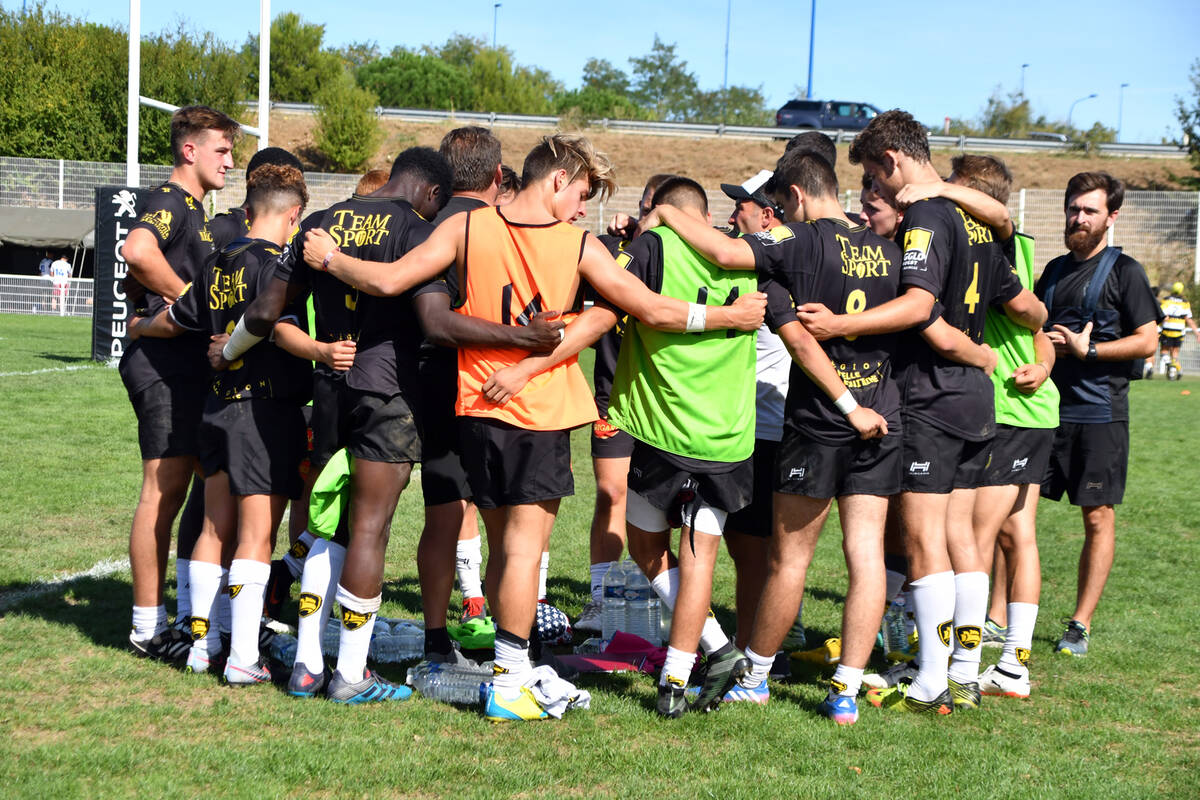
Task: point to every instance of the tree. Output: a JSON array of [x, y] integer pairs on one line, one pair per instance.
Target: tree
[[740, 105], [1187, 111], [662, 83], [410, 80], [299, 66], [347, 130], [599, 74]]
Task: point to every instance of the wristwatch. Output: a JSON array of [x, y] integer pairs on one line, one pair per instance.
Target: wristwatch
[[1092, 355]]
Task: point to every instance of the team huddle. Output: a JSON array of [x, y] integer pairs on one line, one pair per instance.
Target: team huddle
[[901, 364]]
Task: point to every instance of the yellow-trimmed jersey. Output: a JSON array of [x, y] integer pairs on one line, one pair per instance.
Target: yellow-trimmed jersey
[[1175, 312]]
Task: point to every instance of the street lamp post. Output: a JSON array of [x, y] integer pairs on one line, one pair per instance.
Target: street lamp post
[[725, 80], [1077, 102], [1120, 108], [495, 16], [812, 38], [1023, 67]]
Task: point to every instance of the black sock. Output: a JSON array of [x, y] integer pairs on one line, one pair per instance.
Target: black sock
[[437, 641]]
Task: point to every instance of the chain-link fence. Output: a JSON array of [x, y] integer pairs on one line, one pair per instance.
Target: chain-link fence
[[33, 294], [1157, 228]]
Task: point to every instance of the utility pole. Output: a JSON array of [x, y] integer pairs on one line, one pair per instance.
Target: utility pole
[[812, 37]]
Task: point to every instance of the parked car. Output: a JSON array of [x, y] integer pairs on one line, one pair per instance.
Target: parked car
[[838, 114]]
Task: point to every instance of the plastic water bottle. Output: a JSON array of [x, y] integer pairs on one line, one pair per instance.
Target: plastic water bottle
[[895, 637], [642, 610], [593, 645], [402, 643], [283, 650], [449, 683], [612, 616]]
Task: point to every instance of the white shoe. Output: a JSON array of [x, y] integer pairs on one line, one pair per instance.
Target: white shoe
[[904, 672], [590, 618], [995, 683]]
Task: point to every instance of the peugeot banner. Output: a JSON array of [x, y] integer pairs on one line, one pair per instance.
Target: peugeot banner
[[117, 208]]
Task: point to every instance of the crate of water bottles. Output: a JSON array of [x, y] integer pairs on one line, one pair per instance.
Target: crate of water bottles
[[630, 604]]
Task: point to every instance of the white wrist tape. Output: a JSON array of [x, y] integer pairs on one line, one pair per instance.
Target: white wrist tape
[[846, 403], [239, 342], [697, 317]]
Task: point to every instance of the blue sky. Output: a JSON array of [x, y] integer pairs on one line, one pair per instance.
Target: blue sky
[[934, 58]]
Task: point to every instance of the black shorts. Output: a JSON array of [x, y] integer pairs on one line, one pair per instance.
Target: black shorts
[[811, 468], [443, 477], [1167, 342], [1088, 461], [509, 466], [168, 414], [663, 482], [755, 519], [257, 442], [1019, 456], [609, 441], [936, 462], [329, 433]]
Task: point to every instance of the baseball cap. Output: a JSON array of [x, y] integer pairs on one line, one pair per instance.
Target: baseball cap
[[752, 189]]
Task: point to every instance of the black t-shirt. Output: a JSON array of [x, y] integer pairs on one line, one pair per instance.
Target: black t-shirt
[[848, 269], [1098, 391], [216, 300], [437, 363], [957, 259], [608, 346], [228, 227], [386, 328], [180, 228]]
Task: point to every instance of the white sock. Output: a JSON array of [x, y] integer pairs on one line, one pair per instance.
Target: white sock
[[295, 556], [358, 620], [542, 572], [1018, 640], [148, 622], [712, 638], [221, 611], [598, 572], [247, 588], [468, 557], [666, 586], [759, 671], [847, 680], [512, 659], [970, 611], [183, 594], [895, 581], [677, 669], [206, 585], [318, 582], [933, 598]]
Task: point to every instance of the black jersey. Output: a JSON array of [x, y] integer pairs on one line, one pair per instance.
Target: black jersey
[[216, 300], [180, 228], [848, 269], [957, 259], [228, 227], [386, 328], [608, 346]]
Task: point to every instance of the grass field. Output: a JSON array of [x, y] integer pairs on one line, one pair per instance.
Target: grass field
[[82, 718]]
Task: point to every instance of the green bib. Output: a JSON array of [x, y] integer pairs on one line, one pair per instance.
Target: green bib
[[691, 394], [1014, 346]]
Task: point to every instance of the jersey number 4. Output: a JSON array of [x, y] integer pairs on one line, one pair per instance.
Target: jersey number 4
[[972, 297]]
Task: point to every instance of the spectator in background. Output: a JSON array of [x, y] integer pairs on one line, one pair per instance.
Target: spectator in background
[[371, 181], [60, 279]]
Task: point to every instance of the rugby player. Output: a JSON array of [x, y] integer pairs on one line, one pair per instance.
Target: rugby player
[[251, 437], [167, 379]]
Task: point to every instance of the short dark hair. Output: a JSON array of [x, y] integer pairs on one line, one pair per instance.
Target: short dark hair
[[816, 143], [189, 121], [428, 165], [891, 130], [510, 181], [275, 187], [807, 170], [1085, 182], [577, 156], [868, 182], [681, 192], [474, 154], [273, 155], [988, 174]]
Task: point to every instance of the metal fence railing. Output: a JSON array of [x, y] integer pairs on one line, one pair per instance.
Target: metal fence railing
[[33, 294], [1160, 229]]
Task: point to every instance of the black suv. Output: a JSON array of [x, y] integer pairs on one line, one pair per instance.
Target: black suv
[[825, 114]]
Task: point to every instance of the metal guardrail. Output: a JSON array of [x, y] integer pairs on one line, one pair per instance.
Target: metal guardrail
[[691, 129]]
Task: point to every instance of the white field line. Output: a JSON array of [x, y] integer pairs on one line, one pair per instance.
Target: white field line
[[100, 569], [48, 370]]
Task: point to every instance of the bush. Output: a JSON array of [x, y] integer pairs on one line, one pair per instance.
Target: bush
[[347, 130]]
